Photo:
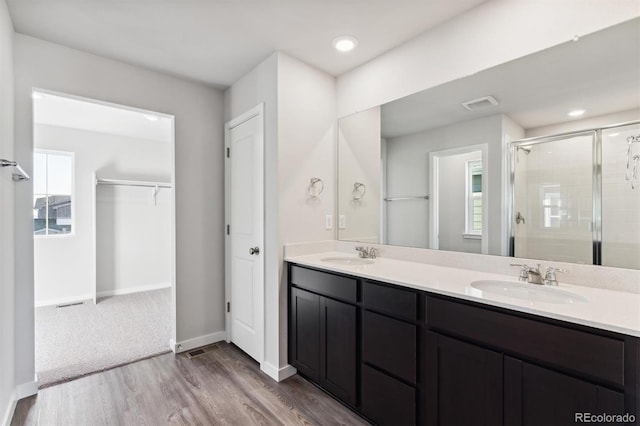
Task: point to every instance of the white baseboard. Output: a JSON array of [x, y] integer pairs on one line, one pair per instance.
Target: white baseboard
[[129, 290], [64, 300], [21, 391], [278, 374], [11, 408], [196, 342], [26, 389]]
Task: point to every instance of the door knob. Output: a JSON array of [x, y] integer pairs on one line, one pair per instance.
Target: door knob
[[254, 250]]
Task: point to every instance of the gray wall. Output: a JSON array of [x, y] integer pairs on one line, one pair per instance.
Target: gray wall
[[198, 112], [7, 370], [407, 174]]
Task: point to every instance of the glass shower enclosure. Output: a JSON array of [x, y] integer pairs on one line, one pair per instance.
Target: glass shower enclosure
[[576, 197]]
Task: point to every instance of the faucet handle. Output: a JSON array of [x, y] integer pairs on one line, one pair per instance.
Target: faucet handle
[[524, 272], [550, 275]]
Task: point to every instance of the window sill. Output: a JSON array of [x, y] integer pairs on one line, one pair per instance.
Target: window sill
[[472, 236], [53, 236]]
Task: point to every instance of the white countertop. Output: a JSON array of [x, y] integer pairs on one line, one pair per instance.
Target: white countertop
[[604, 309]]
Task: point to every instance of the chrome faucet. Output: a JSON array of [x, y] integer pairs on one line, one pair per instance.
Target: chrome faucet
[[534, 275], [529, 274], [366, 252]]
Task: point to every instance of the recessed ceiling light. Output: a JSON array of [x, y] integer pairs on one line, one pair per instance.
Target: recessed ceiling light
[[345, 43], [611, 135], [36, 95], [151, 117], [576, 113]]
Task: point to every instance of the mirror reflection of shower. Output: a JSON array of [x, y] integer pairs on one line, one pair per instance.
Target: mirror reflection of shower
[[576, 192]]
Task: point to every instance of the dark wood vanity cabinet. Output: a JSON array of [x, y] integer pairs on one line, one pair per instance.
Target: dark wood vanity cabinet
[[534, 395], [401, 357], [323, 341], [389, 354], [463, 383]]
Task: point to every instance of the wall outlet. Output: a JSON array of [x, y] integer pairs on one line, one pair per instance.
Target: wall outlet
[[342, 222], [328, 221]]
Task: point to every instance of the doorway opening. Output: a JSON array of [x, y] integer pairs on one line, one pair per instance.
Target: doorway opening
[[104, 235], [458, 216]]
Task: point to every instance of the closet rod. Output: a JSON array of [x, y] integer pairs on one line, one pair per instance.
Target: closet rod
[[133, 183]]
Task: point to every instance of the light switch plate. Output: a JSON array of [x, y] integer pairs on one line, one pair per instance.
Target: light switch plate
[[328, 221], [342, 221]]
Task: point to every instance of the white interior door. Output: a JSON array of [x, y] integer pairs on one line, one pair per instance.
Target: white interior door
[[245, 231]]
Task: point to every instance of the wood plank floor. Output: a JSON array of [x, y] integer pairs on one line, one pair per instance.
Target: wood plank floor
[[221, 387]]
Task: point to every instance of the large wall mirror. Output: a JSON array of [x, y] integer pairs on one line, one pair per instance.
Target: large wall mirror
[[533, 158]]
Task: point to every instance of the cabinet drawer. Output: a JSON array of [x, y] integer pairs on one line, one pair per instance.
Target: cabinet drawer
[[385, 400], [323, 283], [389, 344], [392, 301], [600, 358]]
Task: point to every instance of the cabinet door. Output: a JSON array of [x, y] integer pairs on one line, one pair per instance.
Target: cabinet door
[[463, 383], [338, 349], [538, 396], [387, 401], [305, 333]]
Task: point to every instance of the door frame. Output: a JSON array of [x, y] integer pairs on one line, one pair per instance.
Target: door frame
[[434, 169], [257, 111], [172, 218]]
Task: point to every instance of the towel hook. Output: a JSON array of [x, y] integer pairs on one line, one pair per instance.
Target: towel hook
[[312, 189], [359, 189]]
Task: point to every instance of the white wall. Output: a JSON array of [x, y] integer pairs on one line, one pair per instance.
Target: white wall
[[359, 160], [130, 253], [408, 174], [133, 240], [491, 34], [199, 177], [452, 203], [306, 148], [7, 281], [299, 144]]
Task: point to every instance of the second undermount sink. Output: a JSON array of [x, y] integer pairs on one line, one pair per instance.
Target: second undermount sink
[[347, 261], [530, 292]]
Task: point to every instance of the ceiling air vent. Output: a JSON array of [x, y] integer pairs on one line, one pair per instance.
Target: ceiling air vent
[[480, 103]]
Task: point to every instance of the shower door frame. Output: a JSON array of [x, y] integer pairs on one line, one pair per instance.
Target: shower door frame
[[596, 221]]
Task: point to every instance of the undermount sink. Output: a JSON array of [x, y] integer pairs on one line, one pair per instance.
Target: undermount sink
[[348, 261], [524, 291]]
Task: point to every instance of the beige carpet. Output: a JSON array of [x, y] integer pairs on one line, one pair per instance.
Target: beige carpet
[[78, 340]]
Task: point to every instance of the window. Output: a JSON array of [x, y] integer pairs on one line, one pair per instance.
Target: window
[[52, 193], [474, 198]]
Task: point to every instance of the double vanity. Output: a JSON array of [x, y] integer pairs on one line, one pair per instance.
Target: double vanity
[[406, 343]]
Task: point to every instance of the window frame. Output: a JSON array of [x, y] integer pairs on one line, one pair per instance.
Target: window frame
[[469, 232], [73, 192]]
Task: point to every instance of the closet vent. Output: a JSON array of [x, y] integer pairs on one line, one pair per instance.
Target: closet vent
[[480, 103]]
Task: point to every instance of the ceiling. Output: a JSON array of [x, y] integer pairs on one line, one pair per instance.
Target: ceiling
[[218, 41], [94, 117], [599, 73]]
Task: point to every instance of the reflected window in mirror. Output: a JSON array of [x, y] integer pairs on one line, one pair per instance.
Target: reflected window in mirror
[[474, 198]]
